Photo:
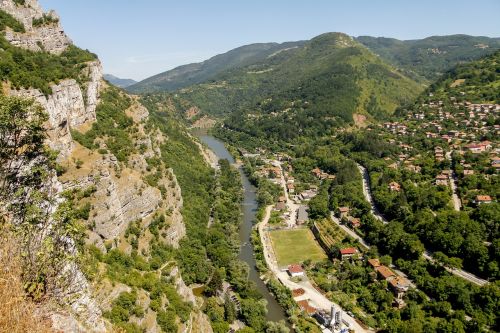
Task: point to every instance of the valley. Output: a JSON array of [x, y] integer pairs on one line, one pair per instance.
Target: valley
[[332, 184]]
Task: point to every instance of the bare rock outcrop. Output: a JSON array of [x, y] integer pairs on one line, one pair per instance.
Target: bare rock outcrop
[[67, 107], [47, 36]]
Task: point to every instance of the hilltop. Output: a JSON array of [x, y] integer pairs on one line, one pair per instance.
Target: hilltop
[[331, 81], [195, 73]]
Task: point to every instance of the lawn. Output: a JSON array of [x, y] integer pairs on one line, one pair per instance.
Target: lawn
[[295, 246]]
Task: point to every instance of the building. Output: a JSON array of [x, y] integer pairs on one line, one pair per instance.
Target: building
[[384, 272], [295, 270], [348, 253], [354, 222], [468, 172], [483, 199], [442, 180], [399, 286], [344, 212], [302, 216], [291, 188], [395, 187], [374, 263]]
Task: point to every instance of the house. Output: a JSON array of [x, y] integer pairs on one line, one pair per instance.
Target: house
[[290, 188], [316, 172], [295, 270], [344, 212], [348, 252], [468, 172], [475, 148], [374, 263], [483, 199], [282, 199], [384, 272], [395, 187], [399, 286], [302, 216], [354, 222], [442, 180]]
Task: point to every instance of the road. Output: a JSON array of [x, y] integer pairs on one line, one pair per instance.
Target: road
[[315, 298], [458, 272], [292, 207], [368, 194], [427, 255], [349, 231], [457, 204]]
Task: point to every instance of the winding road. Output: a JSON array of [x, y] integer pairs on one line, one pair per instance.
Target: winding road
[[315, 298], [427, 255]]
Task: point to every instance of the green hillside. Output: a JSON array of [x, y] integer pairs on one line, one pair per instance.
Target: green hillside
[[477, 81], [430, 57], [195, 73], [305, 91]]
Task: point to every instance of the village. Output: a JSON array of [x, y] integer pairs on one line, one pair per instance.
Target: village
[[455, 129], [289, 239]]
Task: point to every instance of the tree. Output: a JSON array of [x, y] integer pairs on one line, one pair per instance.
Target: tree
[[277, 327], [215, 284], [229, 310], [22, 138]]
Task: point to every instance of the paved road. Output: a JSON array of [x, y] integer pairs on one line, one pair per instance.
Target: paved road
[[457, 204], [368, 194], [458, 272], [349, 231], [315, 298], [427, 255]]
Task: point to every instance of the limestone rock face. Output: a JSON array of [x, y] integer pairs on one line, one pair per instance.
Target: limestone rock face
[[46, 37], [67, 107]]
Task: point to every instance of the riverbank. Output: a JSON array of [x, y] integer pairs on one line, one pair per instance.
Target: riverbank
[[215, 148]]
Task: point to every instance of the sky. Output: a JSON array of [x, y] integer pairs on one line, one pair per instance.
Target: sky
[[140, 38]]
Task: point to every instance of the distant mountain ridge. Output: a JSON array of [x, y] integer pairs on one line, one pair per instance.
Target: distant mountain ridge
[[423, 60], [121, 83], [186, 75], [430, 57]]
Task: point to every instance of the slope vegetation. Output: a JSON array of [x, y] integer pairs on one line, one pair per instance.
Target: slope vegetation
[[190, 74], [430, 57]]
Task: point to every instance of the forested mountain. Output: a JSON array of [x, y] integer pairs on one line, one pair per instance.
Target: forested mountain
[[120, 83], [330, 82], [190, 74], [430, 57]]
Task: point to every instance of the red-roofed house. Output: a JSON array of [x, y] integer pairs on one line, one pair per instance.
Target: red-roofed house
[[384, 272], [344, 211], [295, 270], [483, 199], [348, 252]]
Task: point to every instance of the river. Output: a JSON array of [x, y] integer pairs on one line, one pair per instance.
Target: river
[[274, 310]]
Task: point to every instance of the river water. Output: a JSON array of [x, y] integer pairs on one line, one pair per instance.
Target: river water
[[274, 310]]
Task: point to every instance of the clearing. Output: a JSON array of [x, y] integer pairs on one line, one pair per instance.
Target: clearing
[[295, 246]]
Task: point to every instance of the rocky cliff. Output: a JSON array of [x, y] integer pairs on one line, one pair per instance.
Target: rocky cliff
[[43, 30], [121, 195]]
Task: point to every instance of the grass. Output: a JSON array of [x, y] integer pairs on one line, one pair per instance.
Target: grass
[[17, 313], [295, 246]]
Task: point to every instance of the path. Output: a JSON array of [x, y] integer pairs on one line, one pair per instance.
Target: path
[[316, 298], [427, 255]]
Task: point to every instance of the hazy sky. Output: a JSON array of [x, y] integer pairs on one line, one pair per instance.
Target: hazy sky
[[139, 38]]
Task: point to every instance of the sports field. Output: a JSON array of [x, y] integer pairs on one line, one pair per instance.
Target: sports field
[[295, 246]]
